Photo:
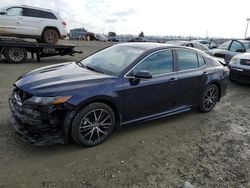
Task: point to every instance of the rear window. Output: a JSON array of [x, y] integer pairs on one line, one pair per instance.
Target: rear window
[[187, 60], [32, 13], [38, 13], [48, 15]]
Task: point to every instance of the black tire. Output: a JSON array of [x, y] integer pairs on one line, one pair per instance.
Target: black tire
[[209, 98], [93, 124], [15, 54], [50, 36]]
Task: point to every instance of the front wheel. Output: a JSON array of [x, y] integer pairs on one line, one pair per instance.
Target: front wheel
[[93, 124], [209, 98]]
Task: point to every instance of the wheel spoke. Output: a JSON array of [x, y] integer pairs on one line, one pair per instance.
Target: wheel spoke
[[101, 131], [99, 117], [91, 134], [86, 134], [95, 116]]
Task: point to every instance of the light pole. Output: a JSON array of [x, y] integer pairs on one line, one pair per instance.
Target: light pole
[[248, 19]]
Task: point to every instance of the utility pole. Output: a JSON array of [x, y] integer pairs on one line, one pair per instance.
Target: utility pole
[[248, 19]]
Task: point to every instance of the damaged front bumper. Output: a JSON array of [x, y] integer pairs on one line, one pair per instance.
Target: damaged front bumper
[[37, 124]]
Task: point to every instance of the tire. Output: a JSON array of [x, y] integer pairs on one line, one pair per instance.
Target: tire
[[209, 98], [93, 124], [15, 54], [50, 36]]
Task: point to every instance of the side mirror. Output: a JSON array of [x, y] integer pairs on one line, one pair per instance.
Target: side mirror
[[143, 75], [240, 50]]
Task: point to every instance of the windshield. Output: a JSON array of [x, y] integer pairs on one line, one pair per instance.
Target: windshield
[[112, 60], [225, 45]]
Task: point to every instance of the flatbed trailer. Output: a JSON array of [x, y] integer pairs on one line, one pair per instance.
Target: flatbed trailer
[[15, 50]]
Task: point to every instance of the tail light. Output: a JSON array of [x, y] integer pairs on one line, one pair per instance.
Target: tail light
[[64, 23]]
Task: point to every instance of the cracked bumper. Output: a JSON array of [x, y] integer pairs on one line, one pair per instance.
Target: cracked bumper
[[37, 125]]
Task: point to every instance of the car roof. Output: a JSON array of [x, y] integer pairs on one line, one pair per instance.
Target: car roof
[[32, 7], [148, 45]]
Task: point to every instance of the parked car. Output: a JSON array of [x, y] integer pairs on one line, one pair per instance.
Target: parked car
[[138, 39], [119, 85], [113, 39], [231, 48], [240, 68], [32, 22], [192, 44], [100, 37], [211, 44]]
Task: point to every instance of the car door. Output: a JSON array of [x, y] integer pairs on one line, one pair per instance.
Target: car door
[[33, 21], [235, 48], [146, 97], [191, 76], [10, 22]]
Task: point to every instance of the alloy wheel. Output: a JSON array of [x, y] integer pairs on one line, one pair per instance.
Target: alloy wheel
[[95, 126], [210, 98]]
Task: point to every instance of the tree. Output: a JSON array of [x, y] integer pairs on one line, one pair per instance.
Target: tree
[[111, 34], [141, 34]]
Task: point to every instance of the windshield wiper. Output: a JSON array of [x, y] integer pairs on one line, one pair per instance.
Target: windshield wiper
[[93, 69]]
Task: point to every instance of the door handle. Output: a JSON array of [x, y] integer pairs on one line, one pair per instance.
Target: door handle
[[204, 74], [18, 22], [172, 79]]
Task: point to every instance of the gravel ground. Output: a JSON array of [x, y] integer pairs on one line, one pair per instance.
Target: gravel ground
[[208, 150]]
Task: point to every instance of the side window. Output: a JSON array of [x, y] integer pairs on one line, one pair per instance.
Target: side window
[[15, 11], [157, 63], [32, 13], [197, 46], [236, 46], [48, 15], [187, 59], [202, 62]]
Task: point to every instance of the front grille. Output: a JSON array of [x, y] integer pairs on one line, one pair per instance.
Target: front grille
[[245, 62], [21, 95]]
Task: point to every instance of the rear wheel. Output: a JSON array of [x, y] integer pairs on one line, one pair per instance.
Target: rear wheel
[[93, 124], [209, 98], [15, 54], [50, 36]]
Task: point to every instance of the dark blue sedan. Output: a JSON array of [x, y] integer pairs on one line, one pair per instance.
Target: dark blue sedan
[[122, 84]]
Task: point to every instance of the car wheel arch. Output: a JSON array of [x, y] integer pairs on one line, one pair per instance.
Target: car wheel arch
[[217, 84], [72, 114]]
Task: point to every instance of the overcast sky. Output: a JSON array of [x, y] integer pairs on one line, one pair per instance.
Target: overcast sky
[[218, 18]]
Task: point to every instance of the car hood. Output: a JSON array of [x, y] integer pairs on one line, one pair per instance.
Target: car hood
[[60, 79], [243, 56]]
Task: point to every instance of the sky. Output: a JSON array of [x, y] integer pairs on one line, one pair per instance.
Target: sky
[[212, 18]]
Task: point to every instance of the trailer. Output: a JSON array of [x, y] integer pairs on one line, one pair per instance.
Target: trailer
[[15, 50]]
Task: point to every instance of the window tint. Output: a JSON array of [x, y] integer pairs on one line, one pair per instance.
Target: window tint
[[15, 11], [157, 63], [236, 46], [32, 13], [202, 62], [187, 59], [48, 15]]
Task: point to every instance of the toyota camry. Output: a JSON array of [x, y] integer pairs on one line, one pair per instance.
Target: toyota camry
[[122, 84]]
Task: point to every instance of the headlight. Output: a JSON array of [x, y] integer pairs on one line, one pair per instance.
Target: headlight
[[234, 60], [49, 100]]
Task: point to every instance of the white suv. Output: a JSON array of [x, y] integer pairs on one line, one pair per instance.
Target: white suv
[[31, 22]]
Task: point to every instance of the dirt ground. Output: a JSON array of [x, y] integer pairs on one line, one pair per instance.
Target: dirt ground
[[208, 150]]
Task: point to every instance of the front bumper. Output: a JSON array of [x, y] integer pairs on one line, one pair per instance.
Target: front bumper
[[39, 125], [240, 75]]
